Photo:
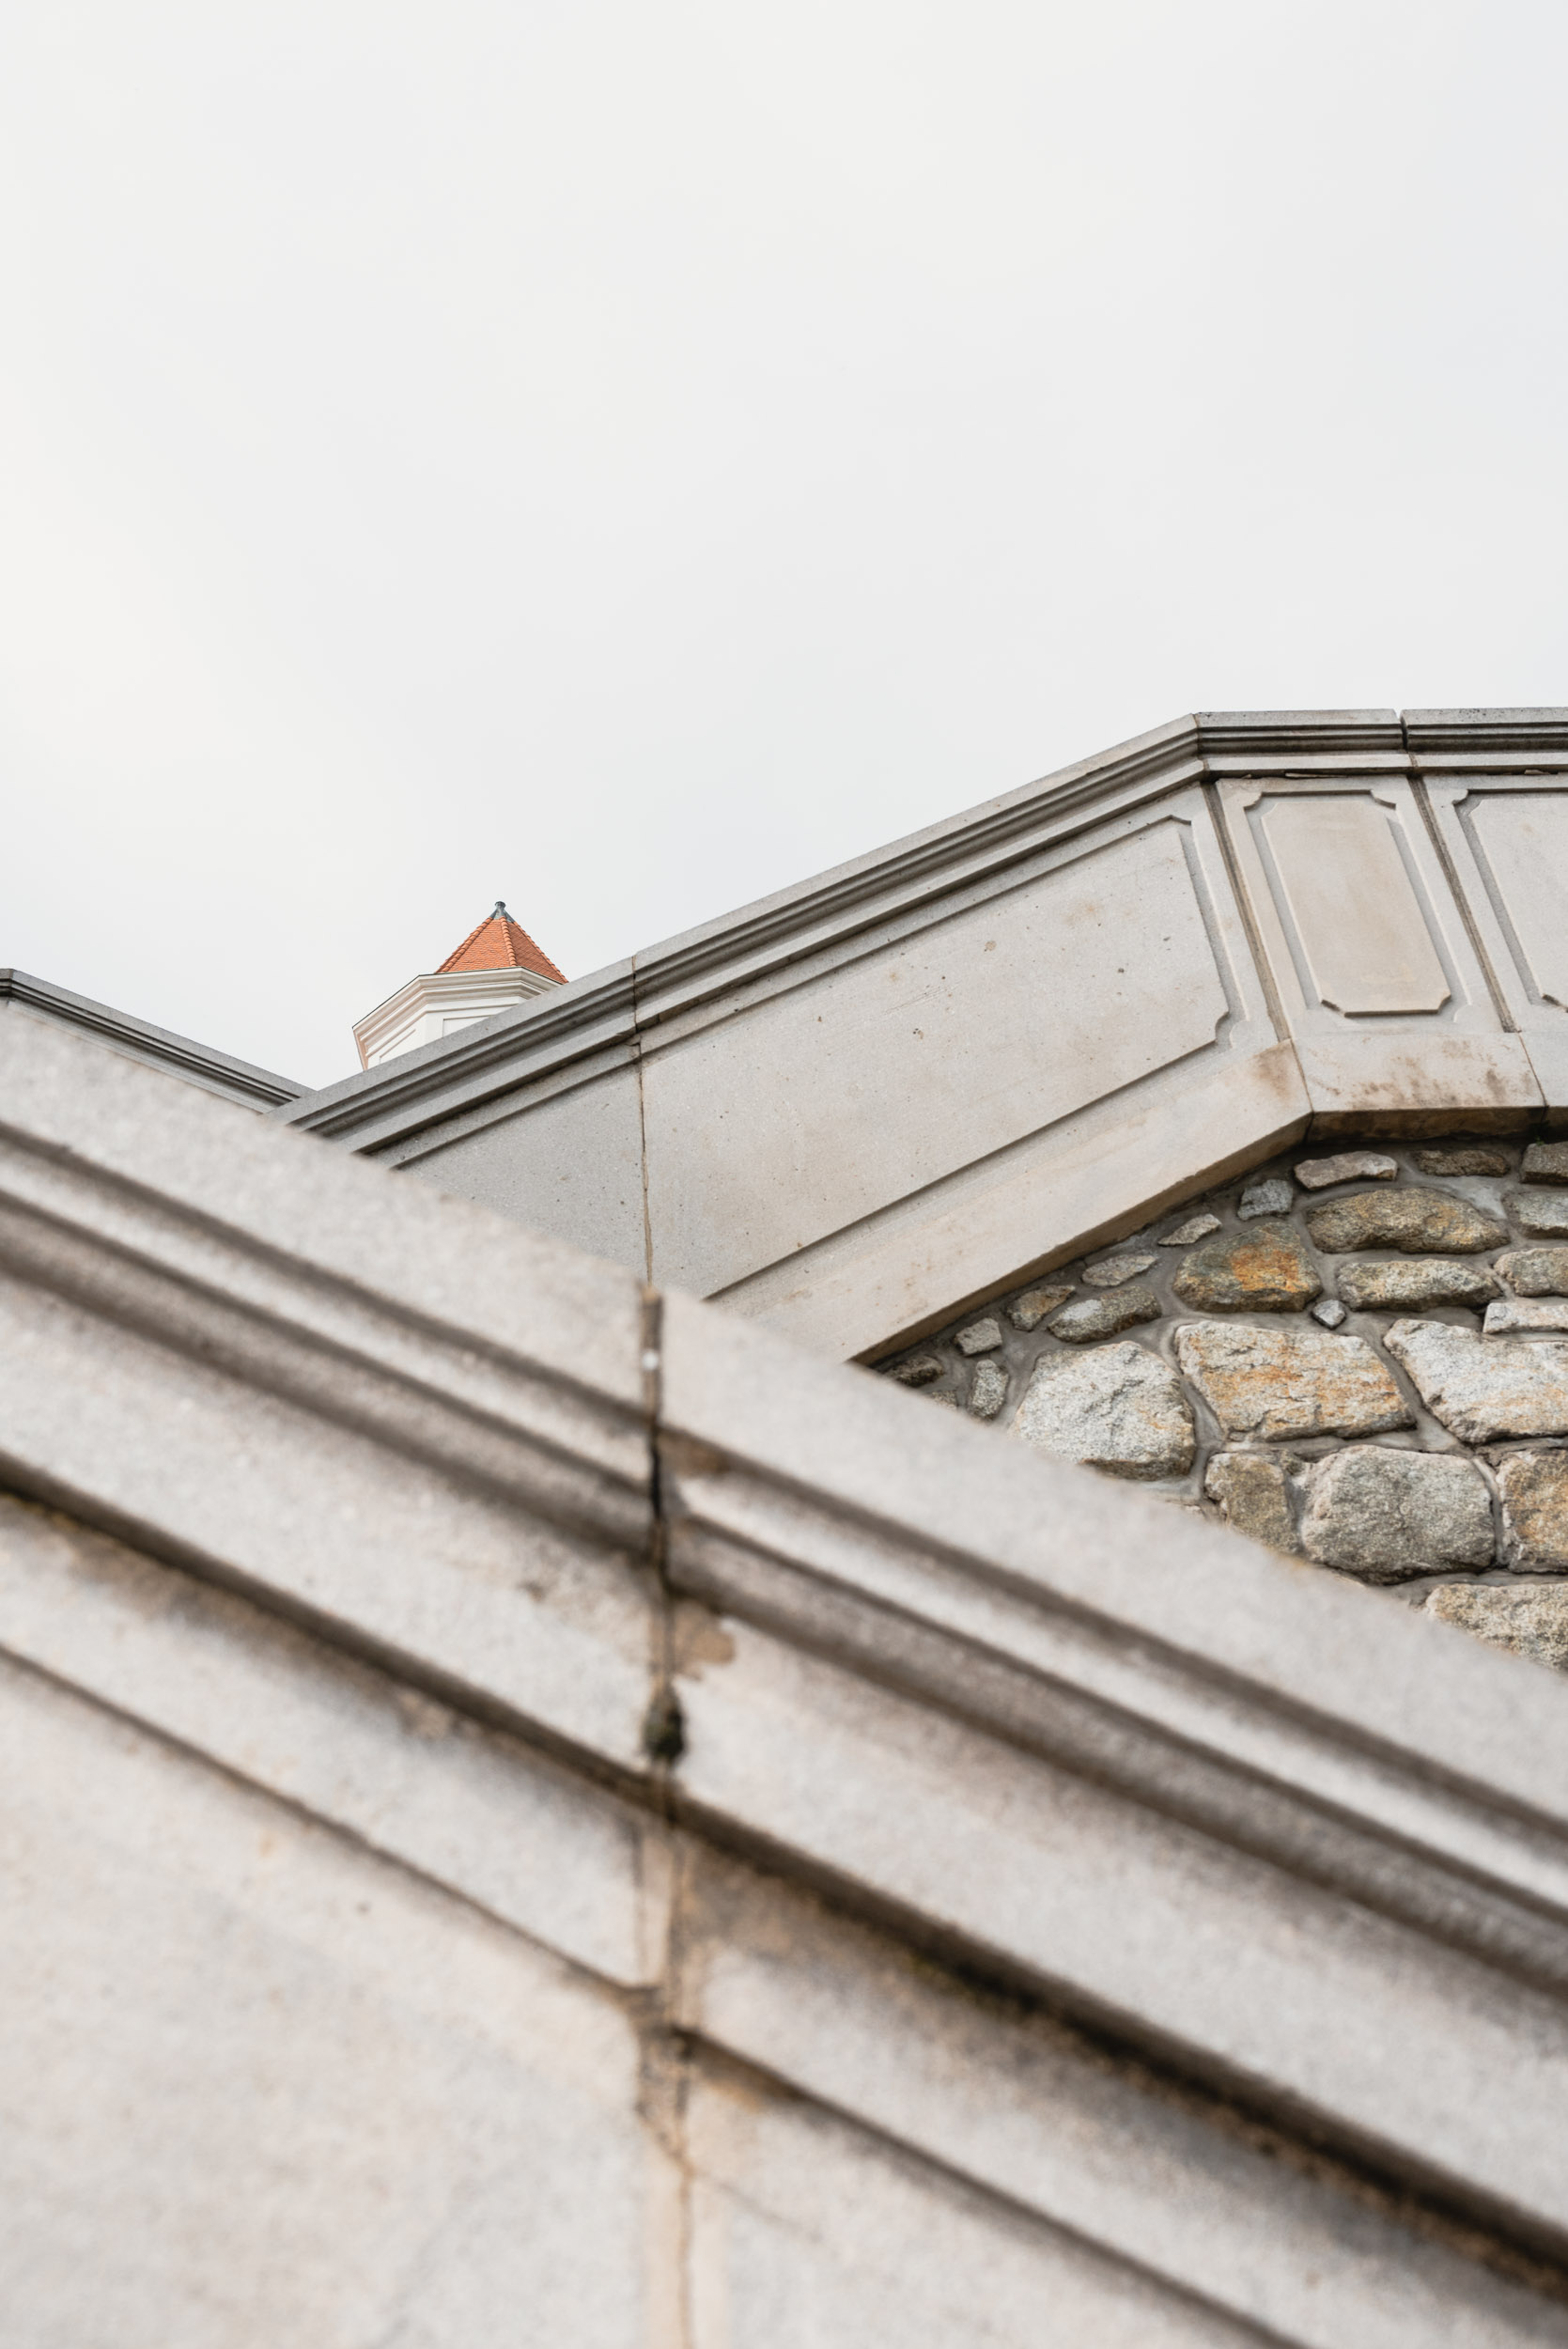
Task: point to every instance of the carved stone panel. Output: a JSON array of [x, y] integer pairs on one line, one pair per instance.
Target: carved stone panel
[[854, 1091], [1523, 837], [1359, 928]]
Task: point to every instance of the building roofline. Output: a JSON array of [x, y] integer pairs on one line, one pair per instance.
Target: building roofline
[[156, 1048]]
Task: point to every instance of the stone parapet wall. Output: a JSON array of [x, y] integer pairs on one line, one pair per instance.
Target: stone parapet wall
[[1359, 1359]]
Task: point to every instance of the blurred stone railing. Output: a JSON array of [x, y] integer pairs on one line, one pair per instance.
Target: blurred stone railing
[[524, 1790]]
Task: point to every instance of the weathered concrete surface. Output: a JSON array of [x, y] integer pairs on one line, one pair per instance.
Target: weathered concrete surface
[[1464, 1157], [1278, 1383], [1385, 1516], [1264, 1271], [1528, 1620], [1412, 1221], [1542, 1212], [1346, 1166], [1410, 1285], [1534, 1489], [1482, 1387], [1096, 1317], [1120, 1409], [1534, 1271], [1252, 1490]]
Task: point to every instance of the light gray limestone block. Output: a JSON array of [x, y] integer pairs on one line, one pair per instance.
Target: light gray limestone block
[[980, 1337], [924, 1371], [1534, 1489], [1532, 1620], [1274, 1197], [1188, 1234], [1468, 1157], [1111, 1271], [1412, 1221], [1119, 1408], [1096, 1317], [1283, 1383], [1030, 1310], [1264, 1270], [1515, 1313], [1412, 1284], [1480, 1388], [1329, 1311], [1385, 1516], [1534, 1271], [988, 1391], [1252, 1490], [1546, 1162], [1542, 1213], [1349, 1166], [1013, 2102], [267, 2087]]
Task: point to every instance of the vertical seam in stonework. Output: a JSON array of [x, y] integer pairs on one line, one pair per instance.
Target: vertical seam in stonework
[[1441, 849], [642, 1124], [1238, 894], [663, 1738]]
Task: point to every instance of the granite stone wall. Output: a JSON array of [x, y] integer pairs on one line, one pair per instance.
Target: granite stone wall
[[1359, 1357]]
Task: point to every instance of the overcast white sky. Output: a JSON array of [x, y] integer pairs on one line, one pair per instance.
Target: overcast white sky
[[624, 458]]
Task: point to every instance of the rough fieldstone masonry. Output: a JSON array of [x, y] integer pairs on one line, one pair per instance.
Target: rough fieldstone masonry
[[1359, 1359]]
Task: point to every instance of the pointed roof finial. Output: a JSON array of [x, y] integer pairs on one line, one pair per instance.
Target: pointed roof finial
[[499, 943]]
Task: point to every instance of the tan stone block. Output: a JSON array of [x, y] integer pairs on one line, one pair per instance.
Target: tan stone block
[[1410, 1221], [1542, 1213], [1514, 1314], [1482, 1388], [1410, 1285], [1119, 1408], [1534, 1271], [1111, 1271], [1253, 1491], [1546, 1162], [981, 1337], [1188, 1234], [1279, 1384], [1348, 1166], [1534, 1489], [1028, 1310], [1264, 1270], [1530, 1621], [1385, 1516], [1465, 1158], [988, 1391], [1093, 1318]]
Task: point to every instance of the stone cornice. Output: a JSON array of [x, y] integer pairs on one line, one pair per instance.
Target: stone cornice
[[386, 1108], [157, 1047]]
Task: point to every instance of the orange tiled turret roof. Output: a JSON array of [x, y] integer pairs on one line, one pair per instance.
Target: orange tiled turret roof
[[499, 943]]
